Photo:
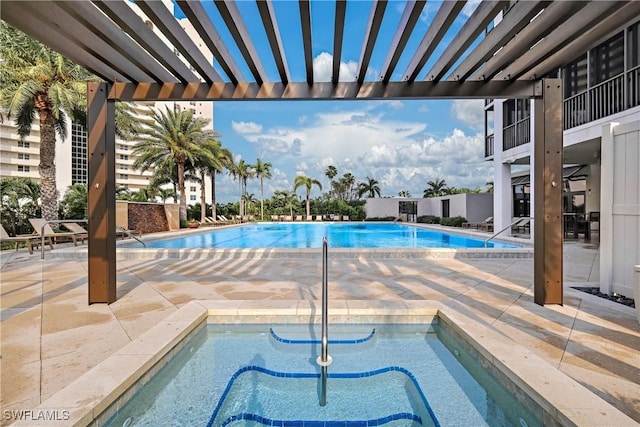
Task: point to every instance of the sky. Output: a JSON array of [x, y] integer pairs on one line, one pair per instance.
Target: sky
[[401, 144]]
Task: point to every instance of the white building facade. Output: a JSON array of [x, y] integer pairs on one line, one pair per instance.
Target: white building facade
[[21, 158], [601, 153]]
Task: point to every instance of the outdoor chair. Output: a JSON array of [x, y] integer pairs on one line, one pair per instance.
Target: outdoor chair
[[521, 226], [318, 217], [40, 224], [29, 240], [80, 231], [298, 217], [477, 225]]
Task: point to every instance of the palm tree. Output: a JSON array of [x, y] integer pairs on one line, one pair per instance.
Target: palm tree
[[174, 136], [262, 171], [18, 198], [370, 188], [225, 160], [437, 187], [39, 81], [302, 180], [165, 193], [404, 193], [74, 202], [205, 161], [331, 173]]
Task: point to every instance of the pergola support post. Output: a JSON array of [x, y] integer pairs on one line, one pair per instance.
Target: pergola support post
[[547, 175], [101, 194]]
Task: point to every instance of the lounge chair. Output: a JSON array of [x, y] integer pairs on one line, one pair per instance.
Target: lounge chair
[[477, 225], [275, 218], [224, 221], [298, 217], [80, 231], [345, 217], [40, 224], [29, 240], [522, 225], [318, 217]]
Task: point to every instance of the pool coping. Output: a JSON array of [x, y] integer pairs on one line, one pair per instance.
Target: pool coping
[[95, 396]]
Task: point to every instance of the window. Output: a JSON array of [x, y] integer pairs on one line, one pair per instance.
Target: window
[[22, 168], [192, 189], [575, 77], [24, 144], [633, 46], [123, 176], [607, 60], [78, 154], [124, 147], [23, 156], [192, 197], [124, 167], [124, 157], [408, 211], [509, 112]]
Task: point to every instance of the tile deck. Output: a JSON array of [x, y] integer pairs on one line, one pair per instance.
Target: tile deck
[[50, 336]]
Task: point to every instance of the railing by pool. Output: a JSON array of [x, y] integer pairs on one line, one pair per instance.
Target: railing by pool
[[516, 134]]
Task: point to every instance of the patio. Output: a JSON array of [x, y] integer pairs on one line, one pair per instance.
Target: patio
[[51, 336]]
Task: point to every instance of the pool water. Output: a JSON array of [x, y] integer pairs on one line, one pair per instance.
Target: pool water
[[392, 375], [309, 235]]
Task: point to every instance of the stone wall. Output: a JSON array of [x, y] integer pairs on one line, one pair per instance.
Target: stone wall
[[147, 217]]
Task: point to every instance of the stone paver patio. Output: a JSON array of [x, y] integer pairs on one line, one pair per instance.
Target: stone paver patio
[[50, 336]]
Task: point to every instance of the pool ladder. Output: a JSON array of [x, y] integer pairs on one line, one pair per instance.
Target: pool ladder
[[324, 360]]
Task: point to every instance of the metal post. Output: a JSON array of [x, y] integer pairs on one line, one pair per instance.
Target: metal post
[[324, 360]]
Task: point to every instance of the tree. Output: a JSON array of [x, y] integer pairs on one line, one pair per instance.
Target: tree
[[19, 197], [165, 193], [302, 180], [262, 171], [404, 193], [370, 188], [207, 159], [437, 187], [174, 136], [38, 81], [74, 203], [225, 160], [331, 173]]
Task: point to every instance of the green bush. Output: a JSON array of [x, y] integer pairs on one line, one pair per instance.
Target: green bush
[[383, 218], [428, 219], [455, 221]]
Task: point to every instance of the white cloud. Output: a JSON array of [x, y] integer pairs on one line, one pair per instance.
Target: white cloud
[[470, 7], [367, 143], [469, 111], [246, 127], [323, 68]]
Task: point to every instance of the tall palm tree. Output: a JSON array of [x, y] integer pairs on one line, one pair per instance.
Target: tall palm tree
[[38, 81], [302, 180], [262, 171], [370, 188], [243, 171], [205, 161], [225, 160], [404, 193], [174, 136], [331, 173], [437, 187]]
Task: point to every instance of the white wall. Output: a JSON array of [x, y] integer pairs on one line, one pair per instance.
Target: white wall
[[620, 207], [475, 207]]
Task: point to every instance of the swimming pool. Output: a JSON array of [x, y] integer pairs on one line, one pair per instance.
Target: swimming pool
[[393, 375], [309, 235]]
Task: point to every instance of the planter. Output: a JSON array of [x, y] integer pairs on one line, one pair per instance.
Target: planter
[[193, 225]]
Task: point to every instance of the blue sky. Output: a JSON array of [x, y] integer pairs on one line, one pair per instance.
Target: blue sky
[[402, 144]]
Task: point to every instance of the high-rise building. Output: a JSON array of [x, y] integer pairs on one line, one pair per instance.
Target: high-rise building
[[21, 158]]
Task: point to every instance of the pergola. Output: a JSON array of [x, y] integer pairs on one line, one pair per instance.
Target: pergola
[[534, 39]]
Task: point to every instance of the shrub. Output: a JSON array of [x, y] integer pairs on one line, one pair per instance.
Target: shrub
[[384, 218], [455, 221], [428, 219]]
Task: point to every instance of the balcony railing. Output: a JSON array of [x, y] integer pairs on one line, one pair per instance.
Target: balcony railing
[[604, 99], [488, 145], [516, 134], [633, 85]]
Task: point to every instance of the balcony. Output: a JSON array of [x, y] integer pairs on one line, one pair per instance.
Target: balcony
[[609, 97], [488, 146], [516, 134]]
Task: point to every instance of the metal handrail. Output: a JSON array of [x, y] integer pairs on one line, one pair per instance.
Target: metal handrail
[[324, 360], [506, 228], [128, 233], [54, 221]]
